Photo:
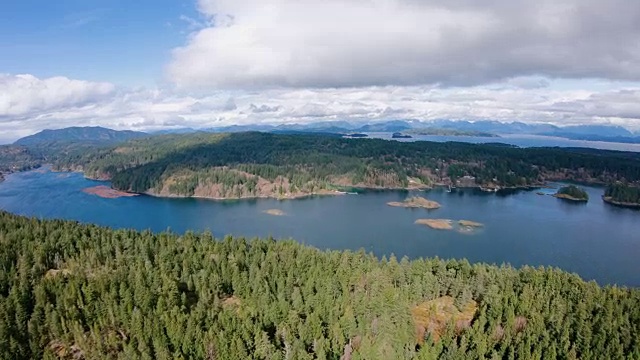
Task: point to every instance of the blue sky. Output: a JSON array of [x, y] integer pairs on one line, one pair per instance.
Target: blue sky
[[150, 65], [122, 41]]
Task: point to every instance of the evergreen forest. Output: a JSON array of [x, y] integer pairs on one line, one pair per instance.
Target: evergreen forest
[[238, 161], [74, 291]]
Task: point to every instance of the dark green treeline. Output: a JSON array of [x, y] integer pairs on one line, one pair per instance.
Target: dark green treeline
[[69, 290]]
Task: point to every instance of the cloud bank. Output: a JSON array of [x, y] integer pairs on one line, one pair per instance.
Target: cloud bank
[[29, 104], [353, 43]]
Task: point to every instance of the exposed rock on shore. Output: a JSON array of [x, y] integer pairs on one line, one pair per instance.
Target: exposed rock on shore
[[438, 224], [462, 226], [416, 202], [107, 192]]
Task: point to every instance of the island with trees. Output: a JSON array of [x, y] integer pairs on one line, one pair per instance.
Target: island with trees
[[416, 202], [79, 291], [572, 193], [622, 194], [399, 135], [253, 164]]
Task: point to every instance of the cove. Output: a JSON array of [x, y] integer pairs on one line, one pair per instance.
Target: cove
[[597, 241]]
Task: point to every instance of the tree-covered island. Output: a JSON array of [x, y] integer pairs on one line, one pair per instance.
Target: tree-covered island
[[252, 164], [572, 193]]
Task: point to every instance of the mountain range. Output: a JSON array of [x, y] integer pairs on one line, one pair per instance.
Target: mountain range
[[102, 135]]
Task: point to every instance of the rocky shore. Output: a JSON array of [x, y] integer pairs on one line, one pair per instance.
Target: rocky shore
[[416, 202], [107, 192], [610, 201]]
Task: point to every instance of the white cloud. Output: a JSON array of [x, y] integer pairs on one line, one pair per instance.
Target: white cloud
[[29, 104], [26, 94], [346, 43]]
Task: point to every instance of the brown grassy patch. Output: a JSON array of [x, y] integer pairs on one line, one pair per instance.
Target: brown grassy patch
[[52, 273], [231, 301], [433, 317]]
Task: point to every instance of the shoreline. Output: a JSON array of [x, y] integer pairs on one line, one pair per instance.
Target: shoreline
[[569, 198], [257, 197], [341, 189], [610, 201]]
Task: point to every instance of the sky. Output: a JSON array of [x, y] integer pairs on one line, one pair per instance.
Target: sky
[[156, 64]]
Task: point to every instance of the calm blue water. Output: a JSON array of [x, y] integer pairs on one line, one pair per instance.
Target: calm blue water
[[594, 240], [519, 140]]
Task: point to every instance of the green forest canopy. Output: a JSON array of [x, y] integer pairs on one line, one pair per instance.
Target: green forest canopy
[[81, 291], [309, 161], [623, 193], [573, 192]]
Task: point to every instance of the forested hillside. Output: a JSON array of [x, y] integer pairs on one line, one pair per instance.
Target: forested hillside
[[94, 134], [17, 158], [261, 164], [84, 292]]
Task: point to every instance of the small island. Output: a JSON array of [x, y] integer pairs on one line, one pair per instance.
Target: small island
[[356, 135], [416, 202], [107, 192], [572, 193], [623, 195], [398, 135], [438, 224], [274, 212], [466, 227], [469, 223], [469, 227]]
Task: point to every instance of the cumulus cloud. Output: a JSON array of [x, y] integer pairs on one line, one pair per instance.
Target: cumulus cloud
[[29, 104], [349, 43], [26, 94]]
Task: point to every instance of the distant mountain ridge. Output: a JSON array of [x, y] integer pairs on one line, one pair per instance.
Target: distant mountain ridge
[[485, 126], [95, 134], [607, 133]]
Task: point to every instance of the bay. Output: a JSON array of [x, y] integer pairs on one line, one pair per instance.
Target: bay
[[595, 240], [520, 140]]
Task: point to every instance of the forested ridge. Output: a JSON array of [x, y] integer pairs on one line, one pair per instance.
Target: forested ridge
[[84, 292], [254, 164]]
